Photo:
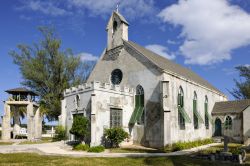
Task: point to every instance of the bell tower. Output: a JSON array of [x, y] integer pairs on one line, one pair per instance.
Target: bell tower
[[117, 30]]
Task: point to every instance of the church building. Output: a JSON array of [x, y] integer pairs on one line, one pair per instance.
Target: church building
[[157, 101]]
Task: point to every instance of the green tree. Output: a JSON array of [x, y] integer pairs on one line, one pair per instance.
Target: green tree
[[49, 70], [60, 133], [80, 127], [242, 90]]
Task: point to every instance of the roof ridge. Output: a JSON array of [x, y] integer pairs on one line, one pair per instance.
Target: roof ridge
[[170, 66]]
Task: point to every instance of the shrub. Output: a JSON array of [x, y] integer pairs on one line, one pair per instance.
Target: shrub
[[83, 147], [187, 145], [60, 134], [96, 149], [80, 127], [235, 151], [115, 136]]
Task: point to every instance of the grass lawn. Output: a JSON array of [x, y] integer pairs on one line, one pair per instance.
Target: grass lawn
[[6, 143], [220, 147], [43, 140], [35, 159]]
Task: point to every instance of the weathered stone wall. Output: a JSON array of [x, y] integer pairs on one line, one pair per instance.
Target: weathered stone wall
[[96, 100], [235, 134], [189, 88], [246, 125], [137, 71]]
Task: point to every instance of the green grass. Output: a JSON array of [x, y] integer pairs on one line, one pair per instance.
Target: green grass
[[213, 149], [42, 141], [96, 149], [6, 143], [81, 147], [38, 160], [134, 150], [186, 145]]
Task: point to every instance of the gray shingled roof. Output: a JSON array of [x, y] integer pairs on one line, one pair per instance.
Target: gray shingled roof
[[21, 90], [236, 106], [170, 66]]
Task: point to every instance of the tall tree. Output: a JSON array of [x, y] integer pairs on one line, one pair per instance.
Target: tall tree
[[49, 70], [242, 89]]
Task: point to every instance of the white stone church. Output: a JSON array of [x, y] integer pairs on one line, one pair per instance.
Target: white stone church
[[155, 100]]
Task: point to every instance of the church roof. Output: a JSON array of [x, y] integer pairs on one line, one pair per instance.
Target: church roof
[[21, 90], [121, 17], [236, 106], [170, 66]]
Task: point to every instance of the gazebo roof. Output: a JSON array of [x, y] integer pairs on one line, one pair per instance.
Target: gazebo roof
[[21, 90]]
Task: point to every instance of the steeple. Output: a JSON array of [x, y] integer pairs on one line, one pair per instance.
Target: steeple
[[117, 30]]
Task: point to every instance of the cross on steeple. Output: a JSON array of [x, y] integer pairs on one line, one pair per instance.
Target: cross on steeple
[[117, 7]]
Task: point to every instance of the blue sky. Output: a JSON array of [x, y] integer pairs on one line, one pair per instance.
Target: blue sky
[[210, 37]]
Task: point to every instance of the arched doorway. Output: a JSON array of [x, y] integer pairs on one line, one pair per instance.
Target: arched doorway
[[217, 131]]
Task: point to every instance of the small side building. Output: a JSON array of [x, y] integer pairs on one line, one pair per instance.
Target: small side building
[[21, 98], [232, 119]]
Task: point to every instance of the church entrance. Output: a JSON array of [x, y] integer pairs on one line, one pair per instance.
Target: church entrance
[[217, 131]]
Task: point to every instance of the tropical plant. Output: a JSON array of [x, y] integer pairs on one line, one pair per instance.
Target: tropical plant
[[115, 136], [80, 127]]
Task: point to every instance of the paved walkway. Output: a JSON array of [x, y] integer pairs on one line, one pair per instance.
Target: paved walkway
[[58, 149]]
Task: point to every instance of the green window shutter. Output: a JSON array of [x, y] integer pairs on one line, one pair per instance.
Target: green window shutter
[[194, 105], [134, 116], [182, 101], [139, 113], [196, 113], [179, 99], [209, 117], [184, 114]]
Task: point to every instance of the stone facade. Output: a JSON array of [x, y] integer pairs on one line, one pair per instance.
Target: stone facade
[[160, 124], [34, 120], [96, 102], [231, 119]]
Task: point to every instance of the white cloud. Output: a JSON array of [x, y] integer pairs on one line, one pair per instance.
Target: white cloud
[[161, 50], [87, 57], [46, 7], [247, 65], [212, 29], [130, 8]]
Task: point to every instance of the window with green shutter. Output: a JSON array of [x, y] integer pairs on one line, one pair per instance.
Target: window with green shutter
[[206, 113], [196, 123], [139, 111], [182, 116]]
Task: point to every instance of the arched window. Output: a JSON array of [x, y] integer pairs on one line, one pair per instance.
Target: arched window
[[228, 123], [180, 103], [139, 102], [114, 26], [139, 90], [206, 113], [77, 101], [196, 120]]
